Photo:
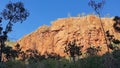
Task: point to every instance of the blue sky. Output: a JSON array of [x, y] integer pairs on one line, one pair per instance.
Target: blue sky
[[45, 11]]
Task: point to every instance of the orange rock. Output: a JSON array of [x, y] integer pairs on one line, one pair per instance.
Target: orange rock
[[53, 39]]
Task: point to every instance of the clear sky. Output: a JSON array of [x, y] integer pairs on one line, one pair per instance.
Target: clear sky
[[45, 11]]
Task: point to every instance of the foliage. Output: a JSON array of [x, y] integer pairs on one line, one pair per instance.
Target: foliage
[[33, 56], [13, 13], [73, 49], [97, 6], [13, 64], [116, 25], [111, 60], [107, 60], [113, 43], [92, 51]]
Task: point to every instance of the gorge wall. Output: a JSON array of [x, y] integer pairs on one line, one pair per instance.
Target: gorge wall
[[52, 39]]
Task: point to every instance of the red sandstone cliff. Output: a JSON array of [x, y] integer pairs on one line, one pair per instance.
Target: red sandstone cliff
[[52, 39]]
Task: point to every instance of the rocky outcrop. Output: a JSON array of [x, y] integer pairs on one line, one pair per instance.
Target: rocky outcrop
[[52, 39]]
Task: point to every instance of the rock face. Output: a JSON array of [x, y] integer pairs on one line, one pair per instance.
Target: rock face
[[52, 39]]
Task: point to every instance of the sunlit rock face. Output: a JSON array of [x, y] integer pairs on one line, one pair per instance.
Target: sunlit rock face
[[52, 39]]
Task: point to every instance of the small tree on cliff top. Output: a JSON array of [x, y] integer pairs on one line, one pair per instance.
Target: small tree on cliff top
[[13, 13]]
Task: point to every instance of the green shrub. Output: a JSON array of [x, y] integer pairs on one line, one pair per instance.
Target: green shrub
[[90, 62], [12, 64]]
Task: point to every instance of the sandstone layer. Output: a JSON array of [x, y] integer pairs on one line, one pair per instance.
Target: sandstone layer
[[52, 39]]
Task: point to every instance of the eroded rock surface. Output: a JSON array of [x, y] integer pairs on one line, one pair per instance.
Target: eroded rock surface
[[52, 39]]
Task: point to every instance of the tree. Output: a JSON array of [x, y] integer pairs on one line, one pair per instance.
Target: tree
[[13, 13], [113, 42], [93, 51], [116, 25], [73, 49], [97, 6]]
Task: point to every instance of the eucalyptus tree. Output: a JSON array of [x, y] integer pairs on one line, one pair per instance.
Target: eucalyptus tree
[[13, 13], [97, 6]]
